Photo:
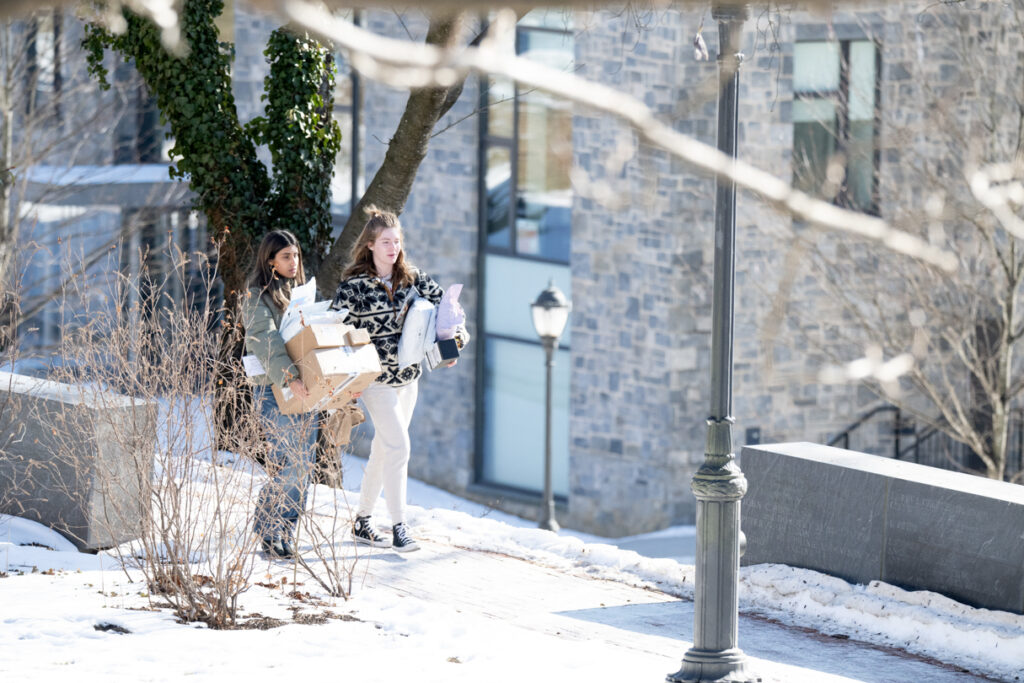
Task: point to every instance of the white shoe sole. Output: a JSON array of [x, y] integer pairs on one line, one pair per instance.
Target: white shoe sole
[[405, 548], [373, 544]]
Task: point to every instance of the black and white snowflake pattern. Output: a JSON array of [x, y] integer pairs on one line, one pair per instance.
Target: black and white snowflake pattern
[[372, 309]]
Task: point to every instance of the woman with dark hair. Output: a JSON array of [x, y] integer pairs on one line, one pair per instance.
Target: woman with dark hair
[[278, 268], [377, 289]]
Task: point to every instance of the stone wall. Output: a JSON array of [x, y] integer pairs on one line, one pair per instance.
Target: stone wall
[[865, 518], [642, 255], [641, 287], [82, 461]]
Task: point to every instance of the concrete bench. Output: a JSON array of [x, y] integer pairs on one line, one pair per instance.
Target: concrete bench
[[75, 459], [863, 517]]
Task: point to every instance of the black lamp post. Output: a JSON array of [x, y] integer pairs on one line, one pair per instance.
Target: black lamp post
[[550, 314], [719, 484]]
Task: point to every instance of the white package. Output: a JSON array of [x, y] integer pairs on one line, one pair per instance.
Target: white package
[[417, 333]]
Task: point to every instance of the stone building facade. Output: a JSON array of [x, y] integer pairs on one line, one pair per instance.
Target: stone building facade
[[635, 359], [519, 187]]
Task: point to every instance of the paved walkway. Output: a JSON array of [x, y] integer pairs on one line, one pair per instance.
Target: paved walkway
[[631, 621]]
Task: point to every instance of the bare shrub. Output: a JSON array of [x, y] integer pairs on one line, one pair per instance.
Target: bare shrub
[[326, 527], [188, 508], [124, 437]]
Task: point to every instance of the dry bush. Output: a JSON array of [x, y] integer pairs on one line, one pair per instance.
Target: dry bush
[[326, 527], [129, 437], [142, 354]]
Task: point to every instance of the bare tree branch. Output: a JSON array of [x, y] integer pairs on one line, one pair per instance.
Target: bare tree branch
[[165, 8]]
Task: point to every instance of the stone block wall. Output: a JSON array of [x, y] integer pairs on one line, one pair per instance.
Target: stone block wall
[[440, 225], [865, 518], [641, 285], [642, 254], [78, 460]]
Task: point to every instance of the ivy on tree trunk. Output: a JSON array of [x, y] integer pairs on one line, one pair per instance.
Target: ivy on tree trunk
[[216, 154]]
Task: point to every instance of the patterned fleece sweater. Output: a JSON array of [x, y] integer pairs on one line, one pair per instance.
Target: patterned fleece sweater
[[374, 308]]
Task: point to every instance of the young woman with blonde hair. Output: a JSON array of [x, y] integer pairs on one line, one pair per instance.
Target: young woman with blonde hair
[[377, 288]]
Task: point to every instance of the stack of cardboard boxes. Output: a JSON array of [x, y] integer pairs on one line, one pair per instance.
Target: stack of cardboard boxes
[[335, 361]]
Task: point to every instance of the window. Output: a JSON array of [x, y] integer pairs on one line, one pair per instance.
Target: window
[[835, 121], [43, 66], [526, 211], [349, 182], [138, 135], [151, 239], [528, 139]]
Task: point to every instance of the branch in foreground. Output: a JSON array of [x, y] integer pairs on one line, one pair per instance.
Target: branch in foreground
[[14, 8], [164, 13], [999, 188], [411, 65]]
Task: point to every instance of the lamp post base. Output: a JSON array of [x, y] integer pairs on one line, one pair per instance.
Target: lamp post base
[[549, 524], [714, 666]]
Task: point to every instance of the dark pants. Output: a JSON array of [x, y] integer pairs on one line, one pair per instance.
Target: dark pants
[[290, 463]]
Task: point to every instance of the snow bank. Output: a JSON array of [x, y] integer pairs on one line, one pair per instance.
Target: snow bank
[[921, 622]]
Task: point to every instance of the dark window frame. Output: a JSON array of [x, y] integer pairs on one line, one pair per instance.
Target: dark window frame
[[487, 140], [841, 96], [357, 178], [37, 96]]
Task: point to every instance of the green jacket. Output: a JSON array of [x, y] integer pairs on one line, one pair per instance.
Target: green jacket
[[263, 340]]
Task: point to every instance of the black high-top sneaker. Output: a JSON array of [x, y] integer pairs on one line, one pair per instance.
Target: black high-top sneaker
[[403, 542], [363, 532]]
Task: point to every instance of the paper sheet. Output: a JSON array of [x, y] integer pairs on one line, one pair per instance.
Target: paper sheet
[[253, 367]]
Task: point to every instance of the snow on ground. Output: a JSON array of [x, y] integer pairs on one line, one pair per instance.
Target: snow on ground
[[489, 597], [921, 622]]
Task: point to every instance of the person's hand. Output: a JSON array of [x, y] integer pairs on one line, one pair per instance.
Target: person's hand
[[452, 364], [299, 389]]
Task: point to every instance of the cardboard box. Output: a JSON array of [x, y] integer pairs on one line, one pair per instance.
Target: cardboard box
[[318, 336], [442, 352], [338, 360], [322, 396], [358, 385], [331, 375], [357, 337]]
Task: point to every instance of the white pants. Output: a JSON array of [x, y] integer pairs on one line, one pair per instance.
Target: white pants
[[390, 409]]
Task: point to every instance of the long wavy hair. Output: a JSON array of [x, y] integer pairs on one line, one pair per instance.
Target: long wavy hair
[[264, 277], [361, 261]]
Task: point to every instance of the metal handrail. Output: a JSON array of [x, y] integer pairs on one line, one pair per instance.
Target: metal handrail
[[920, 440], [844, 435]]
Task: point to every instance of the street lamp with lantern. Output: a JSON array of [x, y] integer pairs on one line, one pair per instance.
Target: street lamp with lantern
[[550, 314]]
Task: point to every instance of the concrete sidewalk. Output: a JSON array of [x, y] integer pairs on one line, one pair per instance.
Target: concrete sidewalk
[[647, 626]]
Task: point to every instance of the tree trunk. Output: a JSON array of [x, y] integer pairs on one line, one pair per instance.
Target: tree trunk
[[8, 226], [392, 183], [232, 394]]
